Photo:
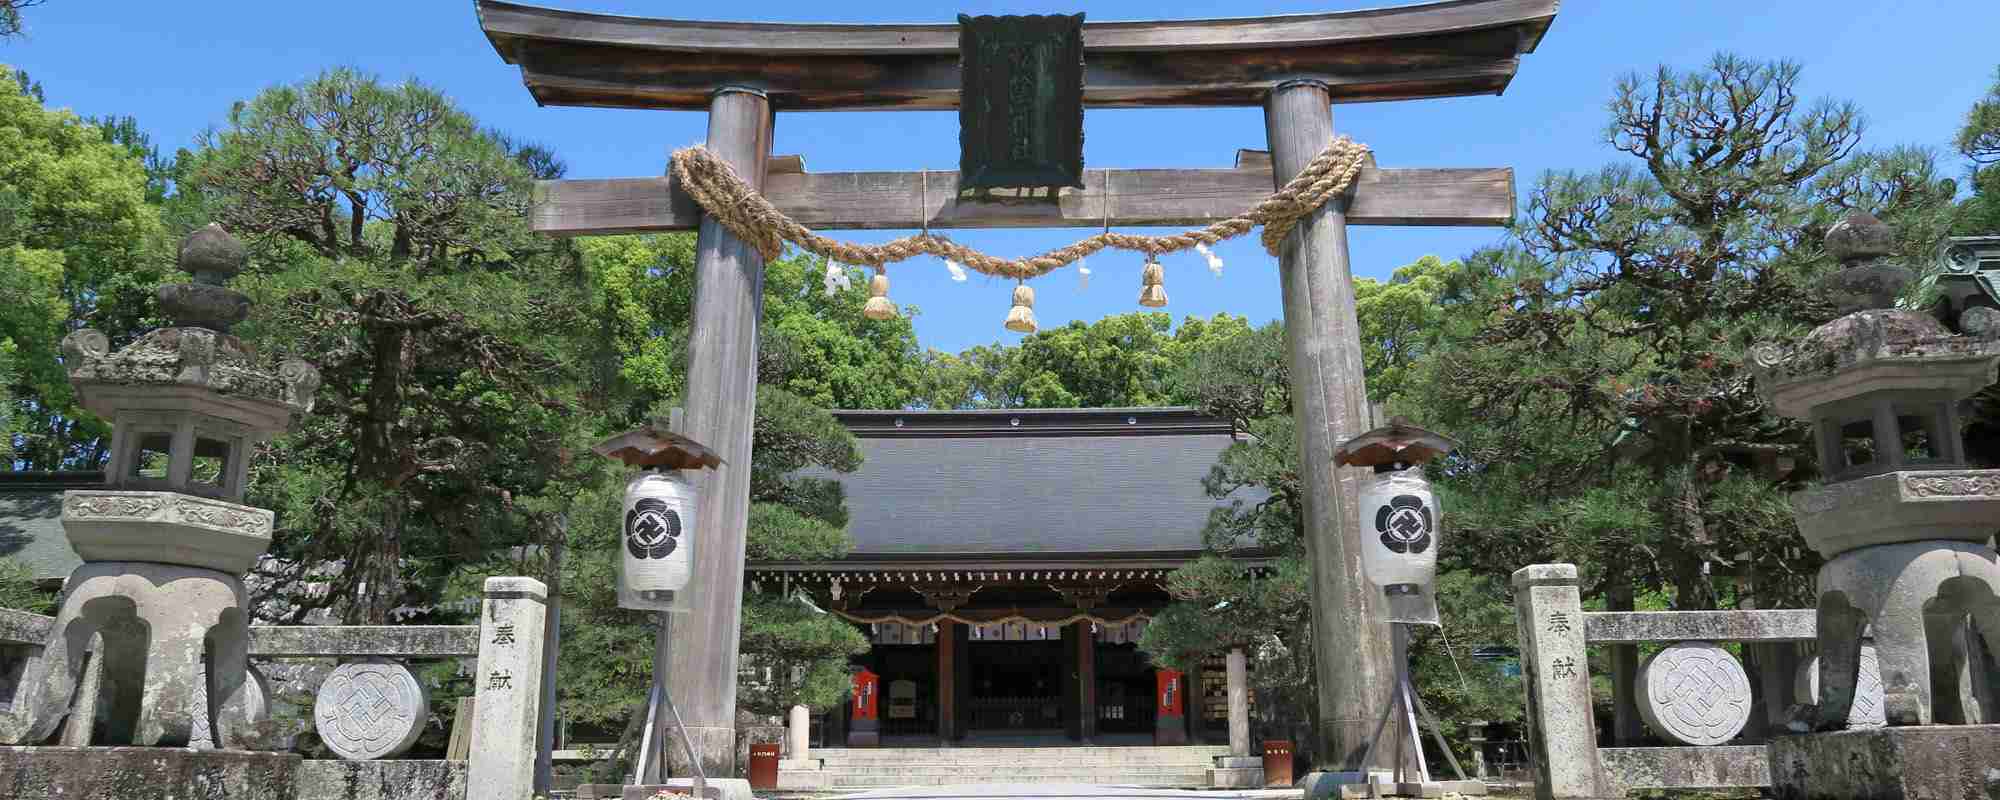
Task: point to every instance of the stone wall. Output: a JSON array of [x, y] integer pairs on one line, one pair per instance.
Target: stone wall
[[148, 773], [381, 780]]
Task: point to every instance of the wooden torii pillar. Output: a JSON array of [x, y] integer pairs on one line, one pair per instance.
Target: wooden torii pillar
[[1294, 67]]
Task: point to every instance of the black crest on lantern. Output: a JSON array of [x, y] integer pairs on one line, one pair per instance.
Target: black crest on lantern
[[652, 529], [1405, 524]]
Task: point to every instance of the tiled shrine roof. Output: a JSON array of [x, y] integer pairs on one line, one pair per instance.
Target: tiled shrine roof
[[31, 529], [1049, 485]]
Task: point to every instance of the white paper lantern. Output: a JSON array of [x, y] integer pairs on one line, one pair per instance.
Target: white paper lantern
[[659, 532], [1399, 529]]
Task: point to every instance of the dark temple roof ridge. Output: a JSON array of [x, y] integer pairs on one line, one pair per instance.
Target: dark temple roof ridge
[[1033, 422]]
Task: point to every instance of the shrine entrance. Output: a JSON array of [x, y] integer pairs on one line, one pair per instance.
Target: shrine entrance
[[1037, 671], [1024, 94], [1017, 689]]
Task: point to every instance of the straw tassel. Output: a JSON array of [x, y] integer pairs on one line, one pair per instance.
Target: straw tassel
[[1021, 318], [878, 306], [1153, 290]]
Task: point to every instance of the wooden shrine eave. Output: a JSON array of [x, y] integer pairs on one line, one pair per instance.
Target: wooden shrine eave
[[930, 568], [1443, 49], [1136, 197]]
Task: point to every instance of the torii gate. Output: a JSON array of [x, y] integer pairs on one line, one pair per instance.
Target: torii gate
[[1295, 67]]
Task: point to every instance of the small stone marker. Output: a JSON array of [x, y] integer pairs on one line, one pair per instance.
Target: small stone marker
[[371, 709], [1554, 664], [508, 689], [1867, 711], [1695, 693]]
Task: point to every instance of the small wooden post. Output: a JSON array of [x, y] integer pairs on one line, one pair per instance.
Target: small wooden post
[[1086, 681], [720, 408], [947, 685], [1330, 402]]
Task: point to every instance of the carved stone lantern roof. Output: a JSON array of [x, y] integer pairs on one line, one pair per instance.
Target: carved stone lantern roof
[[187, 404], [1881, 386], [1870, 352]]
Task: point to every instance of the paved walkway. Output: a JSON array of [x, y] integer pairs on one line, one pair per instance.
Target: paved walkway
[[1064, 791]]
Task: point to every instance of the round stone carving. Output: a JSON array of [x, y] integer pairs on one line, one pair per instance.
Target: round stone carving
[[1695, 693], [1867, 711], [371, 709]]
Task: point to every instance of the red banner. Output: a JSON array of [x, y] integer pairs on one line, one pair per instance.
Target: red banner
[[1172, 693], [867, 685]]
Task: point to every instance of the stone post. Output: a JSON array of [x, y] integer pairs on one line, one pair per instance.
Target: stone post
[[1549, 610], [507, 692], [721, 402], [1240, 769], [1239, 703], [78, 729], [1330, 402], [798, 733]]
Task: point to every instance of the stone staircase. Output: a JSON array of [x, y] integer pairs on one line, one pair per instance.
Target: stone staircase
[[862, 768]]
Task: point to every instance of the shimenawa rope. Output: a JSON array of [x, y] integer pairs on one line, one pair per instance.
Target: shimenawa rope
[[752, 217]]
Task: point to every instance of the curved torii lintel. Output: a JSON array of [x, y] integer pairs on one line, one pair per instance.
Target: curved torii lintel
[[1441, 49]]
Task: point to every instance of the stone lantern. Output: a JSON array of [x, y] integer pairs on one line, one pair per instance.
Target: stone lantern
[[165, 543], [1901, 519]]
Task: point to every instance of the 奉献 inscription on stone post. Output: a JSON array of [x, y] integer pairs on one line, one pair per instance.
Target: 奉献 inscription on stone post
[[507, 690], [1549, 612]]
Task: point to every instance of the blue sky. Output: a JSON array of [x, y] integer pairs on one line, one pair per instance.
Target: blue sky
[[1913, 66]]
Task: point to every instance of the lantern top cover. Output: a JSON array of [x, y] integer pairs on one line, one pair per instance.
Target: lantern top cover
[[1399, 441], [655, 446]]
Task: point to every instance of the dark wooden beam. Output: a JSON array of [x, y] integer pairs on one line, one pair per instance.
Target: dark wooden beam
[[1431, 50], [1136, 197]]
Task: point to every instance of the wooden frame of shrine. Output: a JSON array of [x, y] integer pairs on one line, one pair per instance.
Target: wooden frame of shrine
[[1294, 67]]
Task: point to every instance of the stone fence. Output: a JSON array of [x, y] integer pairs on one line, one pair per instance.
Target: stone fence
[[372, 707], [1693, 691]]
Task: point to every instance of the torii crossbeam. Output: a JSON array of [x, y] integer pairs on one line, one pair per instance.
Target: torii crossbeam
[[1294, 67]]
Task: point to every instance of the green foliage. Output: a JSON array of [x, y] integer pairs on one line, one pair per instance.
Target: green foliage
[[79, 246], [1595, 371], [392, 251], [1121, 360], [19, 592], [10, 16], [1979, 141], [800, 655]]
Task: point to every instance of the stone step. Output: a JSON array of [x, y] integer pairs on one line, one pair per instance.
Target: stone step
[[1114, 778], [1016, 755], [983, 769], [1014, 762]]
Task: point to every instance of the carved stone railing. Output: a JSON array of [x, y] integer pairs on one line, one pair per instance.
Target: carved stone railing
[[372, 706], [1694, 691]]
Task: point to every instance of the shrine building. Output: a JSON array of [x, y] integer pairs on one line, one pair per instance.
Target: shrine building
[[1005, 564]]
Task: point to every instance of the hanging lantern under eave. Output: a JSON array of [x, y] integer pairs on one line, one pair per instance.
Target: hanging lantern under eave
[[657, 525]]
